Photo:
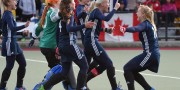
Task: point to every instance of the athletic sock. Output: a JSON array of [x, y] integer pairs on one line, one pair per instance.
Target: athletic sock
[[111, 77]]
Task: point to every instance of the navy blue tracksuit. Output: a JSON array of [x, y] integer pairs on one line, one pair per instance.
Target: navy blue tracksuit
[[91, 43], [149, 59], [69, 52], [94, 49], [81, 17], [11, 50]]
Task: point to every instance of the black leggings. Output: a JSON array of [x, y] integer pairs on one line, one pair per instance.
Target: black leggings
[[131, 73], [50, 56], [10, 60]]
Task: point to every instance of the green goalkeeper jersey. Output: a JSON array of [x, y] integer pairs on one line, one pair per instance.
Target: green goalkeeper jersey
[[48, 39]]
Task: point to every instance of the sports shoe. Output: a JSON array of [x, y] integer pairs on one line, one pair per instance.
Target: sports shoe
[[37, 86], [152, 89], [4, 89], [21, 88], [119, 86], [41, 88]]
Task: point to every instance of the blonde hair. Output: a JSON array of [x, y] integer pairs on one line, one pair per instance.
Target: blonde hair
[[94, 5], [99, 1], [3, 4], [149, 14]]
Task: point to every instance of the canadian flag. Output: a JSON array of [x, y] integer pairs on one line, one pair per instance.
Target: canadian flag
[[120, 19]]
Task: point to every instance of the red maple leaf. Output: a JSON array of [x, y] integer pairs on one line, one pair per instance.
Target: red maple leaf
[[118, 23], [111, 25]]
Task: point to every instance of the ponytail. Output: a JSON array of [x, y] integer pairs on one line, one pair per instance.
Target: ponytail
[[149, 15], [152, 20], [3, 4], [92, 7], [49, 3], [44, 16]]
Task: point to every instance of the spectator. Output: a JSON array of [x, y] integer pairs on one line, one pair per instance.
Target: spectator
[[124, 2], [169, 11], [18, 12], [138, 3], [38, 7], [122, 7], [28, 8], [131, 4], [10, 48], [156, 7], [177, 3]]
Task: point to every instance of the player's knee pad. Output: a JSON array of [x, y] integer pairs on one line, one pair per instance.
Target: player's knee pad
[[56, 69]]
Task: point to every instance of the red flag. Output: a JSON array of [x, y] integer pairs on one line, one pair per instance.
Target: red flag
[[117, 31]]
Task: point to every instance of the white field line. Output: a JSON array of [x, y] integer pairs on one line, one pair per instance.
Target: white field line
[[153, 75]]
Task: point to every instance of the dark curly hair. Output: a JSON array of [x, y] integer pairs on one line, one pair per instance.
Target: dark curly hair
[[66, 10]]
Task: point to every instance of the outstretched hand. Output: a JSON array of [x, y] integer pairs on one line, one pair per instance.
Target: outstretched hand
[[122, 29]]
